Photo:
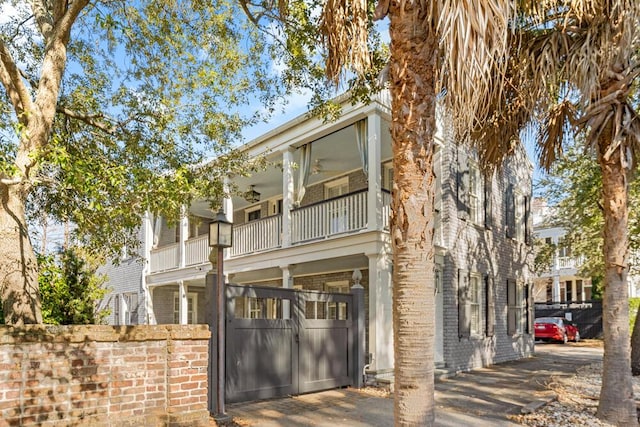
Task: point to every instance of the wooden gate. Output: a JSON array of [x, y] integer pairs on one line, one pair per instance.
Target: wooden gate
[[283, 342]]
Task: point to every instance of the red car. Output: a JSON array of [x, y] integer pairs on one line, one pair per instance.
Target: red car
[[556, 329]]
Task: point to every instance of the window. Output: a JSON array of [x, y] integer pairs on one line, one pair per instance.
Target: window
[[476, 195], [275, 207], [126, 308], [253, 214], [470, 304], [336, 188], [516, 307], [192, 308], [475, 303], [387, 176]]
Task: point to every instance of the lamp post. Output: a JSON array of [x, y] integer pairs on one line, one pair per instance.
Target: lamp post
[[220, 237]]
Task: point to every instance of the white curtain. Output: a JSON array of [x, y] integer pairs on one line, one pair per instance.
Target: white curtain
[[303, 173], [157, 228], [363, 146]]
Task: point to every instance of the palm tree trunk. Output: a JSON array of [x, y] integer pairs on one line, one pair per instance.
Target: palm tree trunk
[[617, 404], [413, 51], [18, 264], [635, 347]]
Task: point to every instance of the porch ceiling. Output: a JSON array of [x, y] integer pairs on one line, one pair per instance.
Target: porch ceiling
[[336, 154]]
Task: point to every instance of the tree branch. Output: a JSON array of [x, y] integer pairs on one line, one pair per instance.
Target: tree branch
[[13, 84], [43, 18], [94, 120]]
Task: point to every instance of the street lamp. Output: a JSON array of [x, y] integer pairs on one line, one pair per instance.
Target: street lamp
[[220, 237]]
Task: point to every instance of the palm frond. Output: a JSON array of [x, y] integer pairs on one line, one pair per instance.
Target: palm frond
[[344, 27]]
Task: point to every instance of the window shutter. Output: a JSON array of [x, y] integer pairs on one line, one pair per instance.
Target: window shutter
[[510, 212], [488, 201], [116, 309], [133, 309], [490, 306], [511, 307], [464, 305], [527, 216], [530, 313], [462, 182]]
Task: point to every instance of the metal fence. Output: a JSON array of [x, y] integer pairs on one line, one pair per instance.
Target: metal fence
[[586, 315]]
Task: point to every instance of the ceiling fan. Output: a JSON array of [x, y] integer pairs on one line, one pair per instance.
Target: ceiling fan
[[317, 168]]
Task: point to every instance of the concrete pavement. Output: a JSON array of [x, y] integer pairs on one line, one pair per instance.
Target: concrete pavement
[[482, 397]]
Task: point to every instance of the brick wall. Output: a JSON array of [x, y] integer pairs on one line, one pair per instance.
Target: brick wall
[[104, 375], [482, 251]]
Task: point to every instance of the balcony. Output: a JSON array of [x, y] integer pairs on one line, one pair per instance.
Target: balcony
[[337, 216], [570, 262]]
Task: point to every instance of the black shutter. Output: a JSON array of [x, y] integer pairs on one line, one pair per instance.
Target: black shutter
[[490, 306], [464, 305], [133, 308], [116, 309], [488, 201], [462, 182], [530, 307], [527, 220], [510, 212], [511, 307]]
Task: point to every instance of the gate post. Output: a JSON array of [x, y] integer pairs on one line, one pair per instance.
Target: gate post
[[211, 287], [357, 316]]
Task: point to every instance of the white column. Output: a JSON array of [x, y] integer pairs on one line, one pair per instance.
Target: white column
[[147, 244], [184, 307], [184, 235], [287, 282], [374, 196], [287, 195], [556, 273], [227, 209], [380, 312]]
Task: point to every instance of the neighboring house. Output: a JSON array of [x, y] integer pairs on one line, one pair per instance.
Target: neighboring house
[[318, 218], [560, 283]]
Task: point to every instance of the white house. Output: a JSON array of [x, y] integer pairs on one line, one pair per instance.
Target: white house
[[320, 214], [561, 282]]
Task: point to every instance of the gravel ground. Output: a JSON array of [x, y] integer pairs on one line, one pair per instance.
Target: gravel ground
[[576, 403]]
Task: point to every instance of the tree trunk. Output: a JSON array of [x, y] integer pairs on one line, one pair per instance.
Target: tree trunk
[[635, 347], [18, 264], [413, 51], [617, 404]]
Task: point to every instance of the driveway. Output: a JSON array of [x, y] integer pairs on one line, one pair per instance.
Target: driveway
[[482, 397]]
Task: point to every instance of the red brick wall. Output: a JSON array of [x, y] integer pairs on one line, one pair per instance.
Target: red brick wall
[[104, 375]]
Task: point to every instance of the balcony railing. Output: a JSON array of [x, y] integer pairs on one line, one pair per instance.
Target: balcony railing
[[386, 209], [165, 258], [570, 262], [197, 250], [256, 236], [335, 216]]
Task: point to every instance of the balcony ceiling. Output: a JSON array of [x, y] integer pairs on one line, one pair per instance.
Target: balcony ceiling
[[336, 154]]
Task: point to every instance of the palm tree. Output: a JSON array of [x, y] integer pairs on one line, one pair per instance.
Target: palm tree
[[572, 68], [416, 29]]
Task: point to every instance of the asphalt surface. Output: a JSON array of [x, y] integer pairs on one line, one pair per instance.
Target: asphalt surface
[[482, 397]]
